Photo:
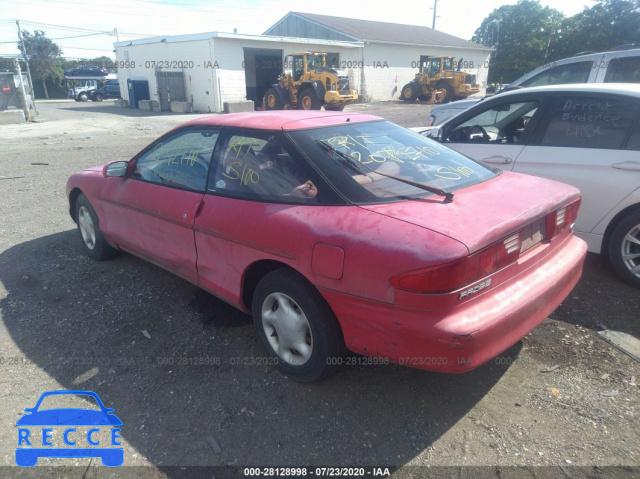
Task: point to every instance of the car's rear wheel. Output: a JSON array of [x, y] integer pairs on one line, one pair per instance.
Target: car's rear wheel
[[95, 246], [624, 248], [296, 326]]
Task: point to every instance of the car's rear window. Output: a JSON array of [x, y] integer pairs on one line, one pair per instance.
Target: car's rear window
[[358, 159]]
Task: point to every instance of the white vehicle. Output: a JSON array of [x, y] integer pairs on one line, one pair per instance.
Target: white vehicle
[[81, 89], [584, 135], [441, 113], [618, 66]]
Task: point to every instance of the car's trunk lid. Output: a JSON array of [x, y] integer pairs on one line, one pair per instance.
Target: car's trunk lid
[[486, 212]]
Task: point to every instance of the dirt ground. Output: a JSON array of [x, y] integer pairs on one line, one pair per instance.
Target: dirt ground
[[183, 370]]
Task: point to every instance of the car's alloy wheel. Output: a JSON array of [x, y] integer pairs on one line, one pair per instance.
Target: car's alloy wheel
[[86, 227], [624, 248], [296, 326], [95, 245]]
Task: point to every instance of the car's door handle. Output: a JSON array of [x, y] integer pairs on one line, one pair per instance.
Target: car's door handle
[[627, 165], [498, 160]]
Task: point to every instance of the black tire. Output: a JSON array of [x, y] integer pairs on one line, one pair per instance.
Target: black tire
[[272, 100], [99, 97], [449, 91], [307, 100], [409, 92], [83, 96], [95, 246], [624, 248], [334, 108], [296, 327]]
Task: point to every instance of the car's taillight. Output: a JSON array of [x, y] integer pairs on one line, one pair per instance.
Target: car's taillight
[[452, 276], [561, 219]]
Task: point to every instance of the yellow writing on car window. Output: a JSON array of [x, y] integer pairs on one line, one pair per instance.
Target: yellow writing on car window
[[380, 153], [239, 171], [453, 174], [242, 145]]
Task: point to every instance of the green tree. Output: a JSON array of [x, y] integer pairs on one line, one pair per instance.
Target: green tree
[[606, 25], [520, 35], [43, 56]]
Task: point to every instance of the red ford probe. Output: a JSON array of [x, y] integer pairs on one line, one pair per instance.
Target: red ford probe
[[341, 231]]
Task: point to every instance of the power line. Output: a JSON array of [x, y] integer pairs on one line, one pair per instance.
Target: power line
[[74, 29], [84, 35], [61, 27], [83, 48]]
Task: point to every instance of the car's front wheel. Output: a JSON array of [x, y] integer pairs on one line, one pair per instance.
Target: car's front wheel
[[99, 97], [624, 248], [95, 246], [83, 97], [296, 326]]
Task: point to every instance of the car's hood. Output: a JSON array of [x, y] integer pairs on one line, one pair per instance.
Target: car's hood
[[486, 212]]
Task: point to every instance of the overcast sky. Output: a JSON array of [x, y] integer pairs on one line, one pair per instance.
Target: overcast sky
[[134, 19]]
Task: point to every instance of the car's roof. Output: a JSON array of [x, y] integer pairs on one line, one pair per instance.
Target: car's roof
[[282, 119], [631, 89]]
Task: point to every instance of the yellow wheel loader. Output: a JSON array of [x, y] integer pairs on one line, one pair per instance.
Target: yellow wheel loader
[[439, 81], [309, 85]]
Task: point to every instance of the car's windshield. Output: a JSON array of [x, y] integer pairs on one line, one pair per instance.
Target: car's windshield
[[382, 149]]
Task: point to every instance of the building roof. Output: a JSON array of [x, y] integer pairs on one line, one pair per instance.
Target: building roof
[[366, 30], [190, 37]]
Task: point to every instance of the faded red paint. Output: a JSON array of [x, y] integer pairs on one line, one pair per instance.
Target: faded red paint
[[350, 253]]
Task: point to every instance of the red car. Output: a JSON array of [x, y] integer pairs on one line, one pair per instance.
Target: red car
[[341, 231]]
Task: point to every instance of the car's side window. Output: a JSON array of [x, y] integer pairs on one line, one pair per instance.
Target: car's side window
[[589, 122], [257, 166], [181, 160], [623, 70], [577, 72], [502, 123], [634, 139]]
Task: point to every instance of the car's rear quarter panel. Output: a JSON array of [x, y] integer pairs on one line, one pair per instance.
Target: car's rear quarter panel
[[375, 246]]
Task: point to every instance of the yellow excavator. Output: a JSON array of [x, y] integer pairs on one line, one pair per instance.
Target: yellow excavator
[[310, 85], [438, 81]]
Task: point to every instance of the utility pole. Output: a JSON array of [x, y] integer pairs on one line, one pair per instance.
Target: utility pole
[[25, 104], [24, 53], [435, 6]]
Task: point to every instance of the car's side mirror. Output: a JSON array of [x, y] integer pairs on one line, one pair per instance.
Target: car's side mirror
[[435, 133], [116, 169]]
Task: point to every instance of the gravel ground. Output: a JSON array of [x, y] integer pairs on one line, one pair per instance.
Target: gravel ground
[[187, 377]]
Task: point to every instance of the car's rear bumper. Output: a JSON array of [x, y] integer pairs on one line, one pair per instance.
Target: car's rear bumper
[[464, 337]]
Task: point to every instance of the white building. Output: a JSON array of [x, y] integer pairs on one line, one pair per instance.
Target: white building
[[208, 69], [391, 53]]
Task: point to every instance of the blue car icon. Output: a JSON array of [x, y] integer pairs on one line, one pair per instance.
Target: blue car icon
[[28, 456]]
